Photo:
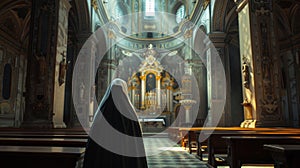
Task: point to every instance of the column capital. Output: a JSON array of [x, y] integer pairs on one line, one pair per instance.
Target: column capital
[[143, 77], [169, 88], [218, 39], [240, 4]]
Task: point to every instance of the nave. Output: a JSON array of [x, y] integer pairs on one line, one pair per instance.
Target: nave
[[33, 149], [179, 157], [170, 157]]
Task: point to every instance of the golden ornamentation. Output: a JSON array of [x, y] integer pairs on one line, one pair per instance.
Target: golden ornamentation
[[188, 33], [143, 77], [111, 34], [158, 77], [95, 5], [205, 4]]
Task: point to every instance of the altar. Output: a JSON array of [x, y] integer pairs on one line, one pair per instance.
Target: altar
[[152, 124], [151, 91]]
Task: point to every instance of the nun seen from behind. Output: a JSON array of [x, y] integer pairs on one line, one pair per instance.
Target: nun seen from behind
[[115, 139]]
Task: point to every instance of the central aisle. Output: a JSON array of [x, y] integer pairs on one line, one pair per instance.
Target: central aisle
[[170, 155]]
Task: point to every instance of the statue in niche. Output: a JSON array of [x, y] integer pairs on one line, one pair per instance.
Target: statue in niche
[[246, 75]]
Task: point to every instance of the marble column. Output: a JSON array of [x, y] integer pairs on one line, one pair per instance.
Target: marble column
[[133, 98], [158, 82], [187, 114], [167, 98], [143, 90]]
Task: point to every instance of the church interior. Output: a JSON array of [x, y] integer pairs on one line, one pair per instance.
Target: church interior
[[206, 75]]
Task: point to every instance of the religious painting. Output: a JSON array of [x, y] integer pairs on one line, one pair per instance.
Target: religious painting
[[150, 82]]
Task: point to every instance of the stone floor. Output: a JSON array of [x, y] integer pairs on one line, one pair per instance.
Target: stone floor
[[170, 155]]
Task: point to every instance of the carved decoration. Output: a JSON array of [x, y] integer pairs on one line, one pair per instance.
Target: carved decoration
[[269, 100], [42, 67], [188, 33], [270, 104], [205, 4], [262, 7], [95, 5], [111, 34]]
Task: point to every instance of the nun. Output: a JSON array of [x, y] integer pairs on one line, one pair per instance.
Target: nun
[[115, 138]]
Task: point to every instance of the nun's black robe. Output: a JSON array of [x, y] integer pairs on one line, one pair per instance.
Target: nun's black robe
[[97, 156]]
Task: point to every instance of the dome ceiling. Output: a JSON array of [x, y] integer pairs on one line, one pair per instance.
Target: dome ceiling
[[149, 18]]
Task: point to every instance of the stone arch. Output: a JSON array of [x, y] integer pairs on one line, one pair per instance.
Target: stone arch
[[283, 22], [295, 24], [199, 44], [19, 15], [83, 16], [176, 7], [12, 5], [219, 14]]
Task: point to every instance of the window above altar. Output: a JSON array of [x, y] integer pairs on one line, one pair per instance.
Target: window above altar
[[150, 8]]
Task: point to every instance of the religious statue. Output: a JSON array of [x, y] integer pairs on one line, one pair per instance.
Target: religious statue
[[245, 71], [62, 70], [81, 93]]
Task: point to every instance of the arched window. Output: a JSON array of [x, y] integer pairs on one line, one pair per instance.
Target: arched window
[[150, 8], [180, 13], [6, 83], [118, 11]]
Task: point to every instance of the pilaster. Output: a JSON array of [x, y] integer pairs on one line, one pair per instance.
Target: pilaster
[[41, 63], [260, 64]]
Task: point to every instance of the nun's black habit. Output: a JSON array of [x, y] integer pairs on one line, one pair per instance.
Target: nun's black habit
[[115, 138]]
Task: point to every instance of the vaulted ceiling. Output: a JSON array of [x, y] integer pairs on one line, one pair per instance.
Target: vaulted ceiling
[[15, 20]]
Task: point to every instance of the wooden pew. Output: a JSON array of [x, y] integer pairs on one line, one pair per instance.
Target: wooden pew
[[32, 135], [189, 135], [48, 133], [58, 142], [217, 146], [43, 131], [40, 156], [249, 149], [285, 156], [43, 146]]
